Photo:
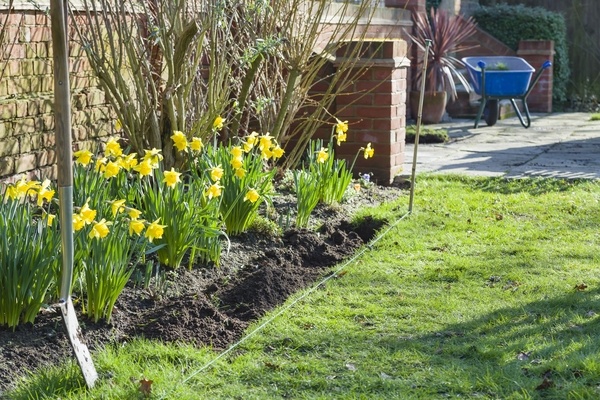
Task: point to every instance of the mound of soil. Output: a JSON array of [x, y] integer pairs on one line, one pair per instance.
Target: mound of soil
[[205, 305]]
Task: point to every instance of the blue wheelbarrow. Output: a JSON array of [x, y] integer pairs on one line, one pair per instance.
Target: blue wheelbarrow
[[499, 77]]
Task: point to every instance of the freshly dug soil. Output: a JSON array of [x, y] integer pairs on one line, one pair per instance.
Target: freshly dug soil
[[206, 305]]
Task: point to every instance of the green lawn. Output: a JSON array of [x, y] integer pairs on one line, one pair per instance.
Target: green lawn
[[489, 289]]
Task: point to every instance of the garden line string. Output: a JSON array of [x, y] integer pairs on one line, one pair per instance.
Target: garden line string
[[283, 309]]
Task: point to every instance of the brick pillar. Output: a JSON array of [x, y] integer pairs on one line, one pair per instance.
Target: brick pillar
[[375, 107], [536, 52]]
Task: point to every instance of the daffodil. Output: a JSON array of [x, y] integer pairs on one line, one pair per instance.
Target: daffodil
[[180, 140], [341, 137], [154, 230], [78, 222], [83, 157], [265, 142], [117, 206], [111, 169], [322, 155], [44, 193], [252, 196], [87, 214], [277, 152], [196, 144], [25, 187], [144, 168], [248, 147], [236, 152], [101, 164], [240, 173], [113, 148], [133, 213], [214, 190], [171, 178], [50, 219], [99, 230], [341, 127], [153, 156], [128, 162], [216, 173], [369, 151], [237, 162], [11, 192], [266, 153], [118, 125], [252, 138], [218, 123], [136, 226]]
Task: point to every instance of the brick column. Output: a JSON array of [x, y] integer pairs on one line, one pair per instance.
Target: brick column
[[536, 52], [375, 107]]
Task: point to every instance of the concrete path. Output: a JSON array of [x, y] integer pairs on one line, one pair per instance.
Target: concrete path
[[561, 145]]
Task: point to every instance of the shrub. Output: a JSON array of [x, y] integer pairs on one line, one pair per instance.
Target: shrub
[[426, 135], [510, 24]]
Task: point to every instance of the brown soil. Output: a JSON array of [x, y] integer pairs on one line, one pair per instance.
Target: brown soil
[[205, 305]]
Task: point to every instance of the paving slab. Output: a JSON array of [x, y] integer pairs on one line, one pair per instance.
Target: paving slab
[[558, 145]]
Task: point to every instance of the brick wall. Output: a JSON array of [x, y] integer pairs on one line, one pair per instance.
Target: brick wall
[[27, 136], [375, 106], [536, 53]]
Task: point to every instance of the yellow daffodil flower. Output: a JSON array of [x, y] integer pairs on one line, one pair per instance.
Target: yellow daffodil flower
[[322, 155], [252, 196], [214, 190], [171, 178], [136, 226], [144, 168], [154, 230], [44, 193], [117, 206], [341, 137], [196, 144], [11, 192], [216, 173], [101, 164], [369, 151], [265, 142], [277, 152], [133, 213], [180, 140], [50, 219], [240, 173], [99, 230], [25, 187], [113, 148], [248, 147], [266, 153], [218, 123], [341, 127], [78, 222], [83, 157], [252, 138], [153, 156], [128, 162], [237, 162], [118, 125], [236, 152], [111, 169], [87, 214]]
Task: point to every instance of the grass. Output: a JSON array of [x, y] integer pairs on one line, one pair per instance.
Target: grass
[[426, 135], [490, 289], [595, 117]]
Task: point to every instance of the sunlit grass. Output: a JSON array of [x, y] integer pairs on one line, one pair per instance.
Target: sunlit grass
[[490, 289]]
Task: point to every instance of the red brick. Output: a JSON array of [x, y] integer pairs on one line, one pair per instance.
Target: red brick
[[380, 111]]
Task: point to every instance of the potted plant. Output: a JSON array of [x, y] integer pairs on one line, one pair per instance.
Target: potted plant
[[447, 33]]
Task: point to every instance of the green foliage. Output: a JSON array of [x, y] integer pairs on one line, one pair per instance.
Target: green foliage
[[511, 24], [332, 174], [426, 135], [107, 264], [307, 195], [28, 262], [595, 117]]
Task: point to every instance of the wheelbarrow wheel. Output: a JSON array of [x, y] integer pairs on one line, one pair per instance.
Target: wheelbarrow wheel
[[491, 112]]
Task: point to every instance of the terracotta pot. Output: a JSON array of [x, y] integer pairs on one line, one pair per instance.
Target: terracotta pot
[[434, 106]]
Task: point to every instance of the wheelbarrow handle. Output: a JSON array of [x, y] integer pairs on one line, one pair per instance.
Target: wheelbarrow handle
[[538, 75]]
